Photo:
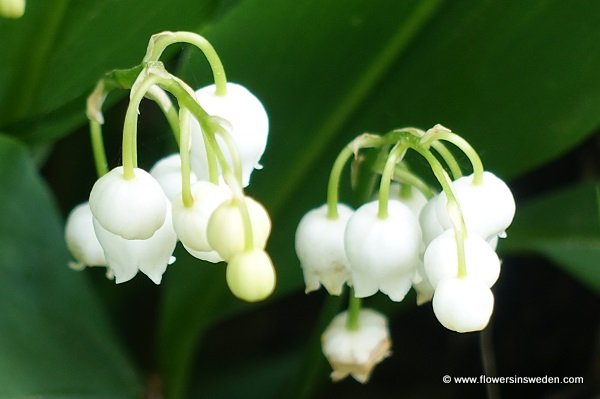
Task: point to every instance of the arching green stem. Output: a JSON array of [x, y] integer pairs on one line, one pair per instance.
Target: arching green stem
[[232, 149], [98, 148], [463, 145], [354, 305], [396, 154], [452, 206], [160, 41], [138, 91], [184, 154], [448, 158], [240, 201], [366, 140]]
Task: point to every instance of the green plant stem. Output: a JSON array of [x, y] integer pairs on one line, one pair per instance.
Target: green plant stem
[[240, 201], [465, 147], [354, 306], [448, 158], [233, 153], [365, 140], [98, 148], [138, 91], [160, 41], [395, 155], [452, 206], [184, 154]]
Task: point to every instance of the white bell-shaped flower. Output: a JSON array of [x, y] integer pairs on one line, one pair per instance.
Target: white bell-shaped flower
[[150, 256], [488, 208], [320, 248], [383, 253], [131, 208], [356, 352], [191, 223], [81, 238], [463, 304], [225, 230], [248, 125], [251, 275], [441, 260], [167, 172]]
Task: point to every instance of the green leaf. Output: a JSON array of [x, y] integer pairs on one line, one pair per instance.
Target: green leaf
[[563, 226], [59, 50], [55, 341]]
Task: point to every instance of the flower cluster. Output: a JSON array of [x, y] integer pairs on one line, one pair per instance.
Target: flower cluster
[[440, 243], [134, 218]]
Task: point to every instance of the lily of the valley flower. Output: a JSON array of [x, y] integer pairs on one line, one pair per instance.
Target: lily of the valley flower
[[320, 248], [383, 252], [251, 275], [245, 119], [463, 304], [191, 223], [356, 352], [81, 238], [441, 261], [226, 233], [150, 256], [131, 208]]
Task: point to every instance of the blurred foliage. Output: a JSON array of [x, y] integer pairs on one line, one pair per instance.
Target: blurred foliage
[[518, 80]]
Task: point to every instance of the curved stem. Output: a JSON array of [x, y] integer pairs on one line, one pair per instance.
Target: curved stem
[[160, 41], [240, 201], [138, 91], [396, 155], [354, 305], [448, 158], [184, 154], [365, 140], [452, 205], [464, 146], [334, 181], [233, 152], [98, 148]]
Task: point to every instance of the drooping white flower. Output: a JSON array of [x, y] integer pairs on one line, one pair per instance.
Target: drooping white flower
[[225, 230], [356, 352], [488, 208], [131, 208], [320, 248], [441, 260], [191, 223], [247, 123], [167, 171], [12, 8], [150, 256], [463, 304], [251, 275], [383, 253], [81, 238]]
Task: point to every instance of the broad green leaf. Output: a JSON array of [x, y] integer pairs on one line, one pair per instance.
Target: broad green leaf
[[55, 341], [564, 226], [54, 55]]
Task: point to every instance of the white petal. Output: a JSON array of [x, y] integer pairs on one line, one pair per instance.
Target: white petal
[[81, 238], [167, 171], [319, 245]]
